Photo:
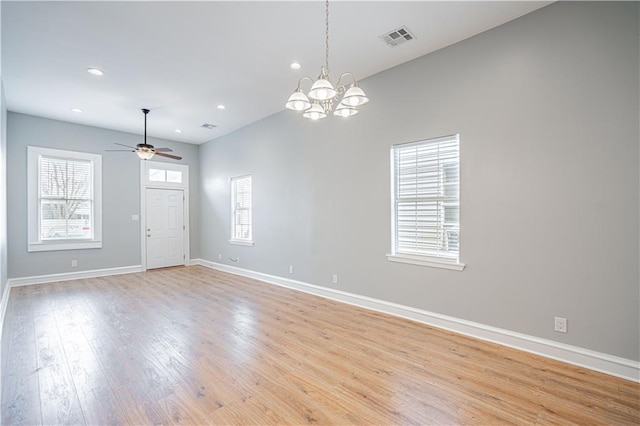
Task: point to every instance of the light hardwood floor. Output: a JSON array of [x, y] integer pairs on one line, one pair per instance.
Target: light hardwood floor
[[196, 346]]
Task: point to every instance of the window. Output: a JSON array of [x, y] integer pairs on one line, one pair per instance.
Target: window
[[174, 176], [158, 174], [241, 232], [64, 199], [162, 175], [426, 202]]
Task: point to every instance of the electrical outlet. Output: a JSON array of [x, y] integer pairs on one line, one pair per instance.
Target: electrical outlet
[[219, 256], [74, 263], [561, 325], [135, 217], [335, 278], [291, 269]]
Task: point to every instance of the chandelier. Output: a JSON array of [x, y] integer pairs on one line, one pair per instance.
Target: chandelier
[[322, 97]]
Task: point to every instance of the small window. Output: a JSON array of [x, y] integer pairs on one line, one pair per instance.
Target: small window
[[162, 175], [174, 176], [241, 227], [156, 175], [426, 202], [64, 199]]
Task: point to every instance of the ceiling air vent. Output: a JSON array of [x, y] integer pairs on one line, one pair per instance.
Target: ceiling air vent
[[209, 126], [397, 36]]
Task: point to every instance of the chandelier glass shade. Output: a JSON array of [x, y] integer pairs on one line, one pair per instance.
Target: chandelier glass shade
[[354, 97], [345, 111], [298, 101], [322, 98], [322, 89], [315, 112]]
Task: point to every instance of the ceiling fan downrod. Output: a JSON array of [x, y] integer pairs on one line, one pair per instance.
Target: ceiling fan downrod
[[145, 111]]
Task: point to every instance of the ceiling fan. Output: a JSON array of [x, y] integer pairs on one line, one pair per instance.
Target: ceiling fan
[[144, 150]]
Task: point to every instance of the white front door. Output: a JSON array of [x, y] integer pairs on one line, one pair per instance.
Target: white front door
[[165, 228]]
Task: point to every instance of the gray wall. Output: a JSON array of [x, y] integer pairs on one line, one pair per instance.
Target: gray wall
[[547, 109], [3, 180], [121, 195], [3, 191]]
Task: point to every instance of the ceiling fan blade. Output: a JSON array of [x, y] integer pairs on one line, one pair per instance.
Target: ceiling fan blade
[[132, 147], [163, 150], [175, 157], [119, 150]]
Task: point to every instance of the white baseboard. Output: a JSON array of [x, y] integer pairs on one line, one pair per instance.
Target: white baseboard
[[41, 279], [604, 363]]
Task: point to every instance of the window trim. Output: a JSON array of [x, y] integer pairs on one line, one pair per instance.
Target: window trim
[[433, 261], [247, 243], [34, 243], [233, 240], [426, 261]]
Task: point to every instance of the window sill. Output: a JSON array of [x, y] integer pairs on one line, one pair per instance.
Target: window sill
[[426, 261], [66, 245], [242, 242]]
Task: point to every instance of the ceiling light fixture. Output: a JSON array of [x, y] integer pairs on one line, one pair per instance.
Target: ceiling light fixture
[[78, 110], [321, 98], [178, 131], [95, 71], [145, 151], [295, 65], [222, 107]]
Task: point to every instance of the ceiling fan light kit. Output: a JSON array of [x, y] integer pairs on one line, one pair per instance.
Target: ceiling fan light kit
[[322, 96], [144, 152]]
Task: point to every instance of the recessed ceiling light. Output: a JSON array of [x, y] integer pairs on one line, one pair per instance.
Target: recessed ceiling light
[[178, 131], [76, 110], [95, 71], [295, 65], [222, 107]]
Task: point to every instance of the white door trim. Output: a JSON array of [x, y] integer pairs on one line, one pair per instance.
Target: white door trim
[[145, 184]]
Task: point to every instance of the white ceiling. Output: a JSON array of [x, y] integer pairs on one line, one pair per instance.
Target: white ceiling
[[182, 59]]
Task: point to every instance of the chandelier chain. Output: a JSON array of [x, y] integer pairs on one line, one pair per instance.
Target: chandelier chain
[[327, 35]]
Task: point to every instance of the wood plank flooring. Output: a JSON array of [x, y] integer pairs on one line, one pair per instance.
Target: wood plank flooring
[[196, 346]]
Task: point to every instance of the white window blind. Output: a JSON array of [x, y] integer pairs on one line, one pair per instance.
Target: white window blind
[[241, 227], [66, 198], [426, 198]]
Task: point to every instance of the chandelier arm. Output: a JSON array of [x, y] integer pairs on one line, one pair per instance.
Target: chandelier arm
[[344, 74], [302, 79]]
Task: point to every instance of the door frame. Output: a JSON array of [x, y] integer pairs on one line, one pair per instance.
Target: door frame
[[145, 184]]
